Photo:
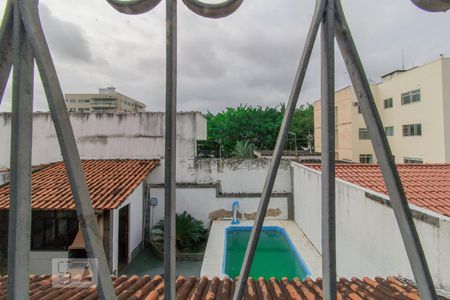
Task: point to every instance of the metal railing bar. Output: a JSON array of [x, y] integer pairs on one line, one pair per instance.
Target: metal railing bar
[[19, 231], [383, 152], [133, 7], [281, 140], [213, 10], [170, 150], [6, 57], [328, 153], [69, 150]]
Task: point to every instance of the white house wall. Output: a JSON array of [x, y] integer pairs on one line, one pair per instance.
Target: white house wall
[[368, 241], [135, 200]]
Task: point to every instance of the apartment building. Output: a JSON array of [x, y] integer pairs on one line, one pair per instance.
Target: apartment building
[[414, 106], [107, 100]]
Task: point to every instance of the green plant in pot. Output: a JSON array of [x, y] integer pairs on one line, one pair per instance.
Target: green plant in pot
[[190, 233]]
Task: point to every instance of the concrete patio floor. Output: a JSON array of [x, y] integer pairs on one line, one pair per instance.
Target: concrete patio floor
[[147, 263]]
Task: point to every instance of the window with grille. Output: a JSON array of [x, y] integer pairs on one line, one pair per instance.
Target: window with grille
[[412, 160], [364, 134], [389, 130], [412, 130], [365, 158], [388, 103], [411, 97], [53, 230]]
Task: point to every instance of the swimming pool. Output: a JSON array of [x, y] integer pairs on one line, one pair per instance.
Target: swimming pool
[[275, 254]]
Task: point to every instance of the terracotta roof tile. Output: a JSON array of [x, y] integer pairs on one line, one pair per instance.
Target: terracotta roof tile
[[426, 185], [110, 182], [194, 288]]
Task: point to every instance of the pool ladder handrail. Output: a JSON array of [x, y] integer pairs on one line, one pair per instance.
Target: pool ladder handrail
[[234, 213]]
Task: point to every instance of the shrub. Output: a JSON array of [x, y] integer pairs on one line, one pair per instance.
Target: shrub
[[190, 233], [244, 150]]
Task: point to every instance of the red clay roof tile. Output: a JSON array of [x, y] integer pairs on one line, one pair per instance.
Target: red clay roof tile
[[215, 289], [426, 185], [109, 182]]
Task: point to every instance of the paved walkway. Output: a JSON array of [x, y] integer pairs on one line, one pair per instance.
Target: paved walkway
[[147, 263]]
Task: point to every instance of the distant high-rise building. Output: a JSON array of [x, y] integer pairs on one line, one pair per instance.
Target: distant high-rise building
[[107, 100], [414, 106]]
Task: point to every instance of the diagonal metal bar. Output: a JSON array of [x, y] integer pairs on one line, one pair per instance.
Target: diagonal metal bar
[[6, 57], [170, 152], [69, 150], [281, 140], [21, 142], [328, 154], [383, 152]]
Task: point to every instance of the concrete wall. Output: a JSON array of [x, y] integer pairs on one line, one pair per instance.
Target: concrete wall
[[208, 185], [103, 136], [368, 239], [135, 200]]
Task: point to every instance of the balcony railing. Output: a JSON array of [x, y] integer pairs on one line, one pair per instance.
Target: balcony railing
[[22, 41]]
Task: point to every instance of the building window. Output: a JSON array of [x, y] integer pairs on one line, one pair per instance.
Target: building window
[[72, 109], [365, 158], [53, 230], [412, 160], [389, 130], [87, 100], [72, 100], [412, 130], [410, 97], [388, 103], [364, 134]]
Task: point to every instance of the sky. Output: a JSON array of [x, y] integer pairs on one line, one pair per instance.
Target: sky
[[249, 57]]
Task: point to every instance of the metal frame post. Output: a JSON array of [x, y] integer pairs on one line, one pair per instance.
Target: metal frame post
[[170, 152], [328, 154], [69, 150], [19, 231], [383, 152], [6, 32], [281, 141]]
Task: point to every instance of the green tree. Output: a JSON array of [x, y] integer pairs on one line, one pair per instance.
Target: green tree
[[303, 124], [256, 125]]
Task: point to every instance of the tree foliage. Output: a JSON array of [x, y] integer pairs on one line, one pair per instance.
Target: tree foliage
[[256, 125]]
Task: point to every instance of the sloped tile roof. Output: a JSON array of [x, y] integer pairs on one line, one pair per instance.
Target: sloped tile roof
[[110, 182], [194, 288], [426, 185]]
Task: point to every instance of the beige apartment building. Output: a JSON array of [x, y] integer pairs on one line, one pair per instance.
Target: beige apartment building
[[414, 106], [107, 100]]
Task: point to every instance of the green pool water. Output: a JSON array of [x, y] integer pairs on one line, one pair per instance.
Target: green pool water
[[274, 255]]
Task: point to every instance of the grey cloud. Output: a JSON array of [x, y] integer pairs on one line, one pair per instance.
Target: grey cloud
[[249, 57], [65, 38]]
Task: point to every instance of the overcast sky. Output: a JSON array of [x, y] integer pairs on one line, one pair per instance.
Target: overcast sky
[[249, 57]]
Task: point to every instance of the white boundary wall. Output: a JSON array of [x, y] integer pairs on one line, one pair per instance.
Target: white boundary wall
[[368, 240], [108, 136], [207, 185]]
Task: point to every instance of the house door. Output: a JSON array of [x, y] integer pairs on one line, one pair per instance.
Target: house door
[[124, 218]]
